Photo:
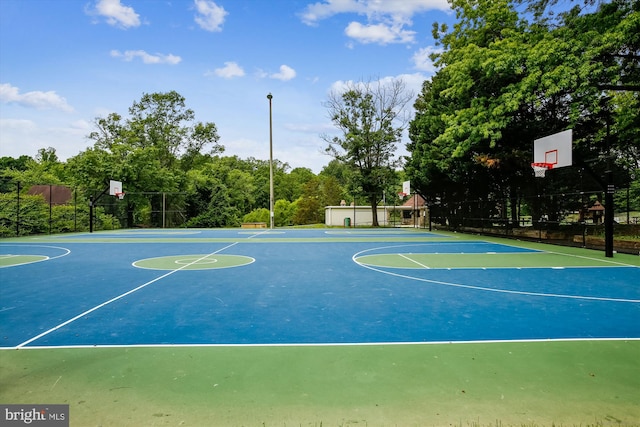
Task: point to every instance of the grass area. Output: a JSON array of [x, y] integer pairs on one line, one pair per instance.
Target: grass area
[[483, 384]]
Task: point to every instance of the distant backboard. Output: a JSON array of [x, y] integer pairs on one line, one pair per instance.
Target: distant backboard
[[554, 149], [406, 187], [115, 188]]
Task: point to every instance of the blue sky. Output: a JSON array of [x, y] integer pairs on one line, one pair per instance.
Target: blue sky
[[65, 62]]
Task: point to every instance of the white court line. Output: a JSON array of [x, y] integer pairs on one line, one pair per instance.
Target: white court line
[[413, 260], [355, 257], [569, 255], [97, 307], [66, 252], [498, 290], [330, 344], [594, 259], [259, 233]]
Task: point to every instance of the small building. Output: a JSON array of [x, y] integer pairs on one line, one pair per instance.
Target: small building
[[52, 194], [352, 216], [597, 212], [412, 213]]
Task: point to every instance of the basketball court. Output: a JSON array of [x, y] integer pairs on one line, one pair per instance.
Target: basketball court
[[336, 326], [313, 311], [305, 287]]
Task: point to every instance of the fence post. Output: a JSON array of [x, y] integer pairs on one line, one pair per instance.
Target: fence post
[[50, 207], [608, 216], [18, 212]]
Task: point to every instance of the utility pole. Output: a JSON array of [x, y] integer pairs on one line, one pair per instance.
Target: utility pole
[[271, 212]]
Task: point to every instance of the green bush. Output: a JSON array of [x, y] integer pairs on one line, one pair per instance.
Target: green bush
[[257, 215]]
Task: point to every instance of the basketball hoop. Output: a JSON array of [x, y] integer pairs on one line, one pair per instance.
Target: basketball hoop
[[119, 195], [401, 195], [540, 169]]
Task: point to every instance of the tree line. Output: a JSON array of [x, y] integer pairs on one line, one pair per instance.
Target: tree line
[[160, 150], [508, 72]]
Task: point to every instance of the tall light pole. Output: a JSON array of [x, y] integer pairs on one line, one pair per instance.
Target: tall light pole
[[271, 213]]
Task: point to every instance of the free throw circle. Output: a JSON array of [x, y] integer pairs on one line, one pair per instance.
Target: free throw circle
[[194, 262]]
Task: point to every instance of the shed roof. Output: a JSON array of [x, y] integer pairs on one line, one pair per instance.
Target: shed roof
[[415, 200], [597, 206]]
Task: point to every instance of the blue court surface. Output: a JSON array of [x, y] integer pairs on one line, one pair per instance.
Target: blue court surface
[[289, 286]]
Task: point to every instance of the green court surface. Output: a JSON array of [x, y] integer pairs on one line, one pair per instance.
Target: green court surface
[[194, 262], [579, 383], [485, 260], [11, 260]]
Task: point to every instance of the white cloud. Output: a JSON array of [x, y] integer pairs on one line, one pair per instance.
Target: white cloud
[[399, 10], [117, 14], [229, 71], [36, 99], [81, 125], [386, 20], [413, 83], [147, 58], [210, 16], [286, 73], [422, 60], [379, 33], [318, 11]]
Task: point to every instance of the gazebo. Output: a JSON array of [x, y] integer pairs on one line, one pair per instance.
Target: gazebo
[[597, 212]]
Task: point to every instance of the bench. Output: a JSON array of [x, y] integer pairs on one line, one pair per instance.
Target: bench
[[254, 225]]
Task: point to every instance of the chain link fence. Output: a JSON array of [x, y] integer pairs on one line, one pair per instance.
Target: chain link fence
[[573, 219], [52, 208]]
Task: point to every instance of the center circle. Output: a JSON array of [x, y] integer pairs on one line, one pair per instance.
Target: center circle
[[193, 262]]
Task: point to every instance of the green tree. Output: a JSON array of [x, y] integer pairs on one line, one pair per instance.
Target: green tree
[[241, 190], [503, 81], [260, 171], [339, 175], [310, 209], [292, 184], [257, 215], [331, 192], [149, 152], [33, 214], [9, 169], [370, 118], [45, 168], [218, 211], [18, 164], [318, 192], [284, 211]]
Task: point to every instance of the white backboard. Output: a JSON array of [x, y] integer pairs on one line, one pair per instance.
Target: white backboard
[[554, 149], [406, 187], [115, 187]]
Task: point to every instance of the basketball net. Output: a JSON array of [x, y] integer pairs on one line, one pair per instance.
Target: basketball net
[[540, 169]]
